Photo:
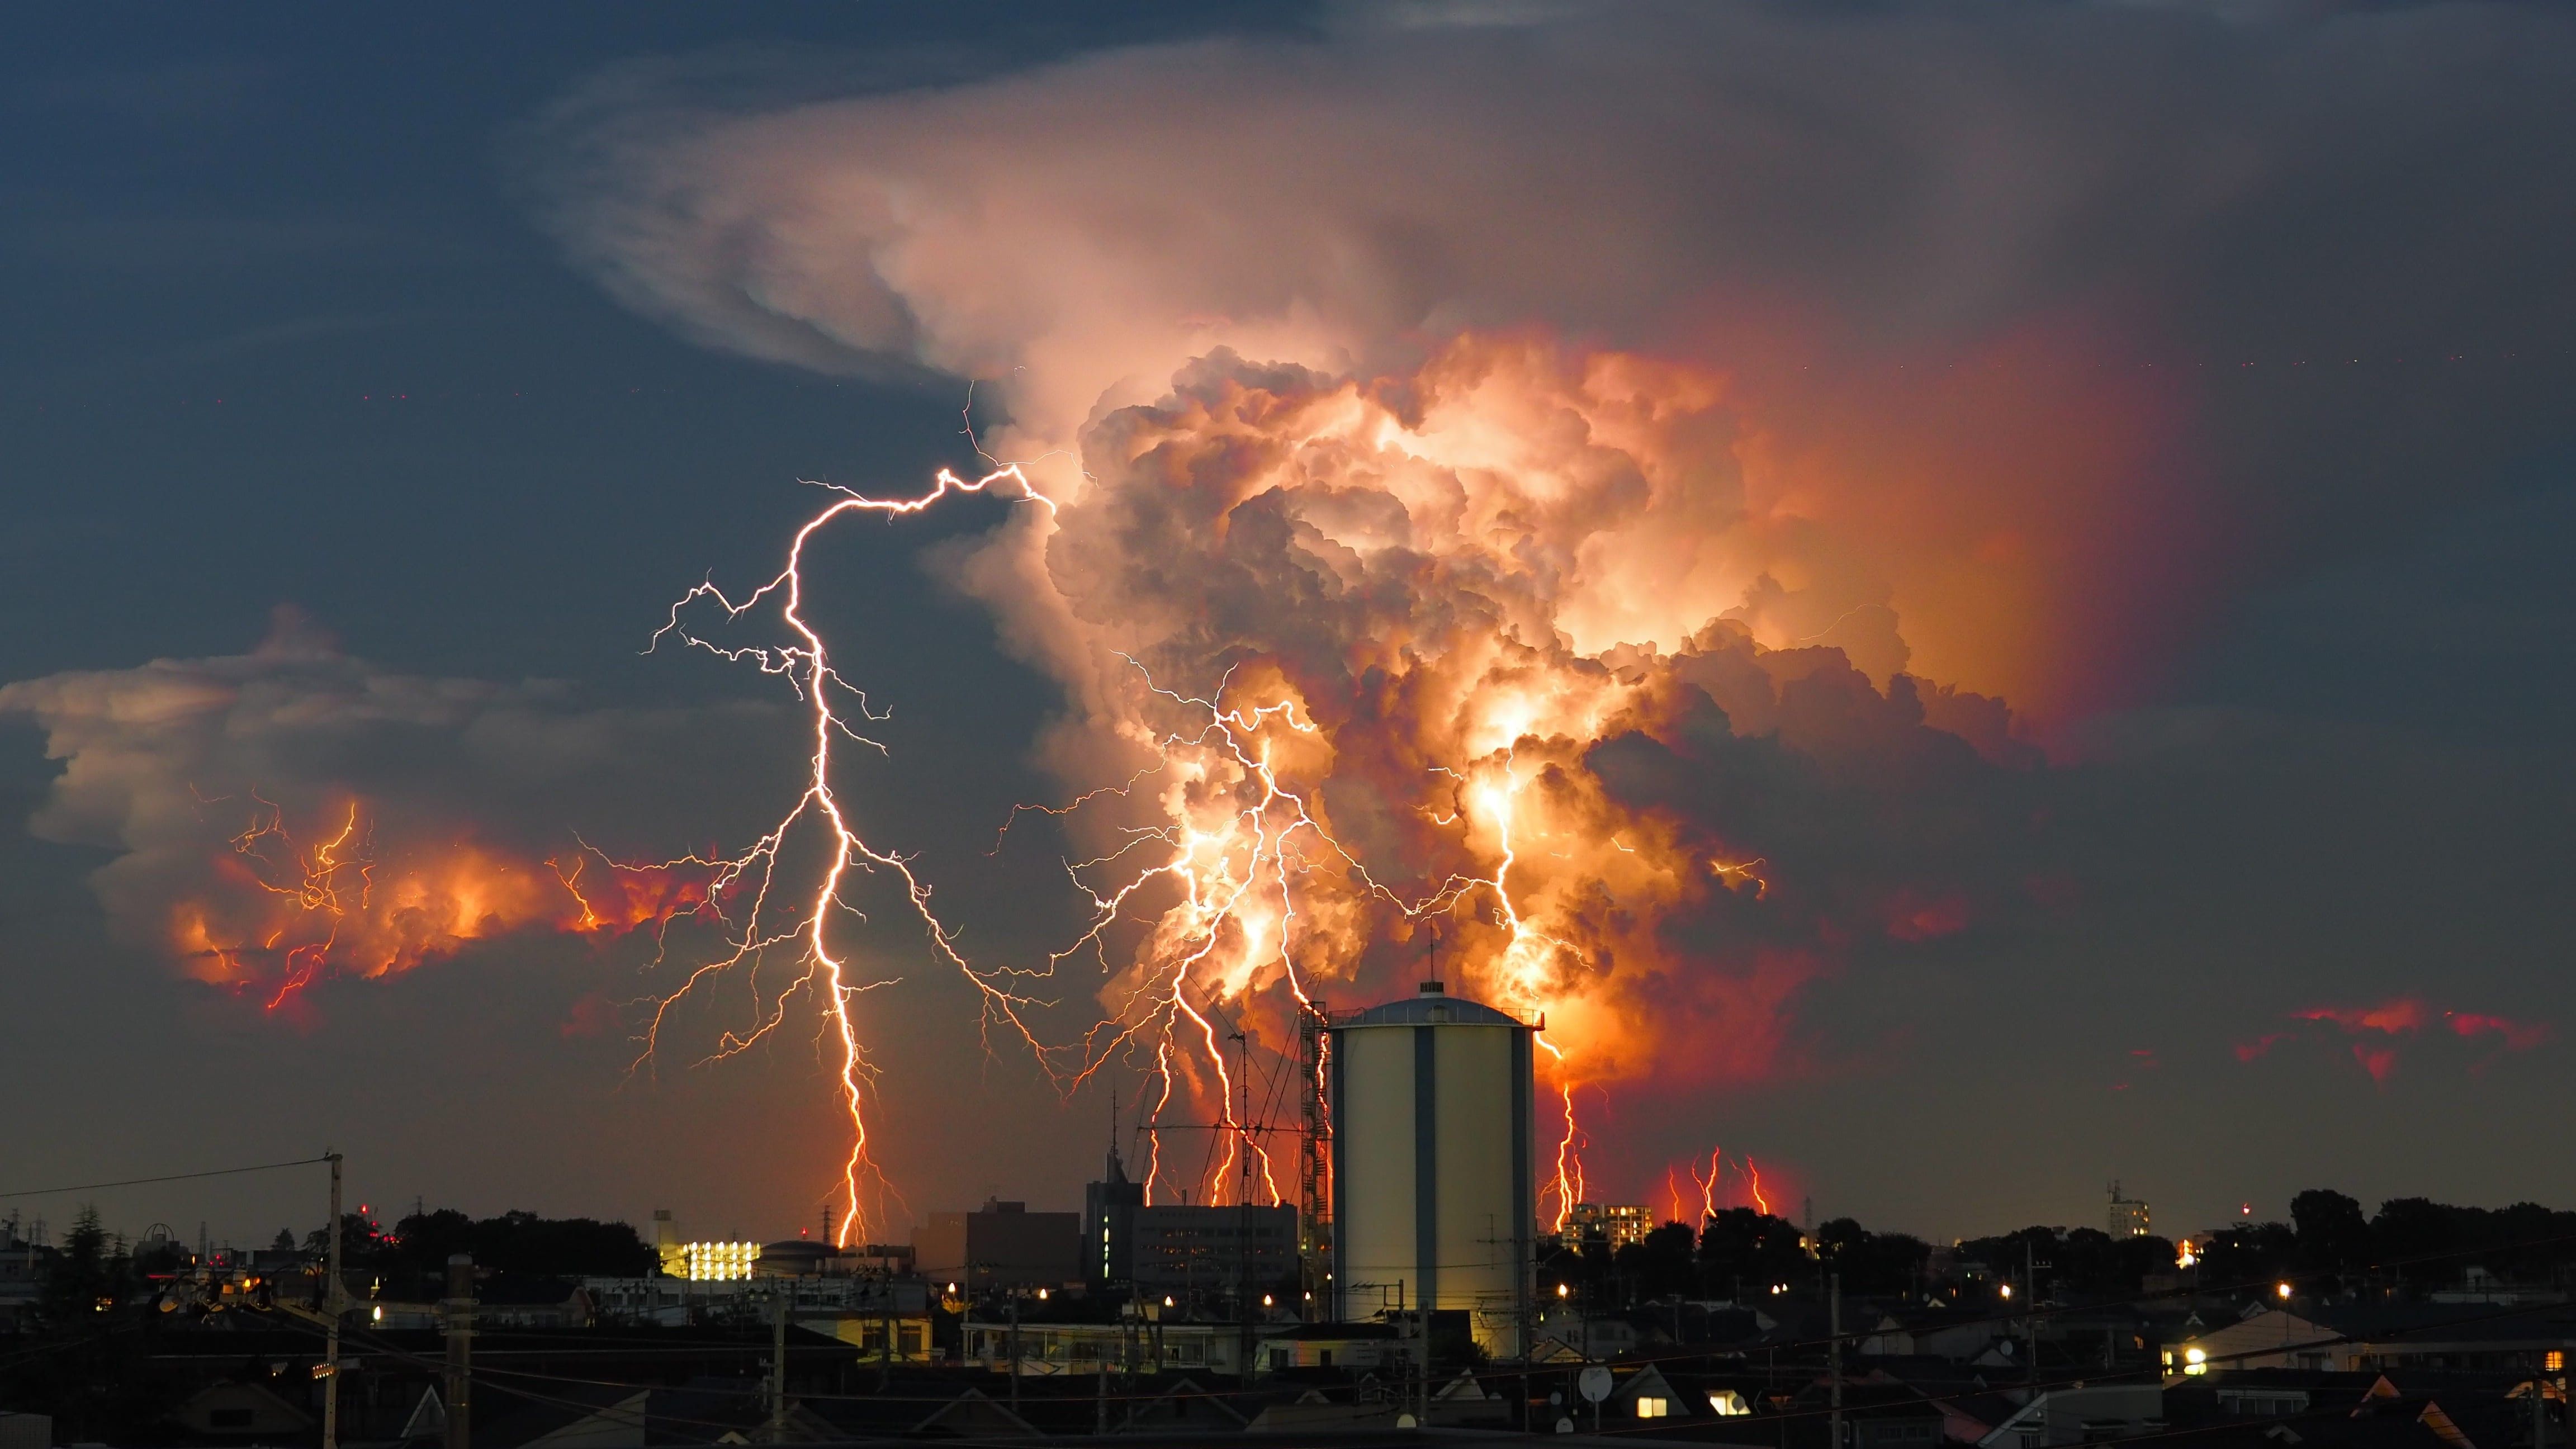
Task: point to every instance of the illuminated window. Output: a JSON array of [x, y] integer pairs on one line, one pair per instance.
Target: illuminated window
[[1651, 1407], [2195, 1361], [1727, 1403], [2554, 1361]]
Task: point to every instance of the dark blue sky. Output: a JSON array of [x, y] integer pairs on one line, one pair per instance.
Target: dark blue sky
[[277, 328]]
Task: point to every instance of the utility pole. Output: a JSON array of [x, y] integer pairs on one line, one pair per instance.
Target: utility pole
[[460, 1352], [331, 1306], [1015, 1350], [893, 1331], [2030, 1310], [1243, 1210], [1834, 1352], [781, 1295], [2539, 1406]]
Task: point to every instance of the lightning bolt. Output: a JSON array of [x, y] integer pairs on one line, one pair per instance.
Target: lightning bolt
[[826, 976], [1708, 1185]]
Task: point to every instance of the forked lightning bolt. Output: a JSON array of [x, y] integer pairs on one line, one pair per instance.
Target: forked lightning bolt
[[750, 877], [1234, 848]]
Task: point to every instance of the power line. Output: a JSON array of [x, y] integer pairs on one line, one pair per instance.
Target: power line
[[172, 1177]]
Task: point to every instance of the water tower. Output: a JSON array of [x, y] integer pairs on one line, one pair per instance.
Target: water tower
[[1433, 1200]]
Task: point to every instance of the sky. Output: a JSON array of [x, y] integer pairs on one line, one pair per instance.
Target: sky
[[2035, 533]]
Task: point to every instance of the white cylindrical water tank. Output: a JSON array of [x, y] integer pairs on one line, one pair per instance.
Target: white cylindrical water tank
[[1433, 1198]]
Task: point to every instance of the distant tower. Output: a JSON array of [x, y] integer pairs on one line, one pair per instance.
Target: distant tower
[[1109, 1209], [1434, 1203], [2128, 1214], [668, 1250]]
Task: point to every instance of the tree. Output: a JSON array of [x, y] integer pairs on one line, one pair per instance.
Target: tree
[[1872, 1262], [84, 1281], [89, 1367], [414, 1255], [1660, 1265], [2252, 1253], [1743, 1252], [2415, 1227], [2333, 1234]]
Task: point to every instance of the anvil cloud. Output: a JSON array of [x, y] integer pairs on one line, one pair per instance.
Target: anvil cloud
[[2064, 320]]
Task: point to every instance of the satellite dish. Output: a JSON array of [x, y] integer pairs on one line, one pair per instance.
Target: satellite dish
[[1593, 1383], [1404, 1421], [1564, 1425]]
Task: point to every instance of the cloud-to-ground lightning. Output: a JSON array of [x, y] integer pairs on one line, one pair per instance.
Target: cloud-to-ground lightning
[[751, 877]]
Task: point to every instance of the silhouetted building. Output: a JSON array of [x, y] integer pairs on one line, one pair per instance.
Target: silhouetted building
[[1003, 1245], [1190, 1254], [1616, 1225], [2128, 1215], [1108, 1222], [1206, 1252]]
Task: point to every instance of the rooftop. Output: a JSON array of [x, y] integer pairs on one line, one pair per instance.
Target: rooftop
[[1431, 1007]]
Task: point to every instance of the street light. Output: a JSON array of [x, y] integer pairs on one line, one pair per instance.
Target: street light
[[2283, 1289]]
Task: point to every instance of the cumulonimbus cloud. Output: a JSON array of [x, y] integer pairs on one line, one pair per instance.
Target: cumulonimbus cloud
[[2060, 319], [1686, 426]]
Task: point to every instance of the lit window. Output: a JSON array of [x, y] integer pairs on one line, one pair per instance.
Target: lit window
[[2195, 1361], [1727, 1403], [1651, 1407], [2554, 1361]]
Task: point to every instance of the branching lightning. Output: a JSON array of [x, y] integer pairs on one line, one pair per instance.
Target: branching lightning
[[751, 877]]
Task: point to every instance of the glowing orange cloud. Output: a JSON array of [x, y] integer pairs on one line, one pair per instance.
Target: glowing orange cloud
[[2404, 1014], [278, 912]]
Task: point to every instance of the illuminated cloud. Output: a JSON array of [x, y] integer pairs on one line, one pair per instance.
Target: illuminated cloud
[[1660, 454], [2378, 1031], [296, 813], [2056, 321]]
